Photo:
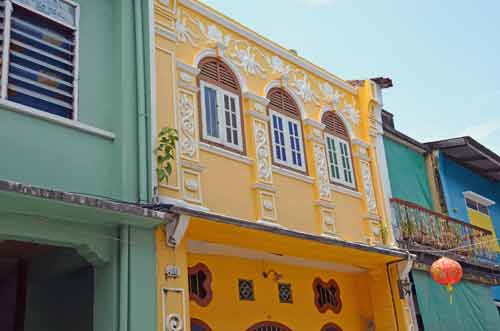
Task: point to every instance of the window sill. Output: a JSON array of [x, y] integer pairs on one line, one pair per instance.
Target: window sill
[[292, 174], [344, 190], [73, 124], [225, 153]]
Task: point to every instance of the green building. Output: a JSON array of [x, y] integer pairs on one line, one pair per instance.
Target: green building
[[77, 250]]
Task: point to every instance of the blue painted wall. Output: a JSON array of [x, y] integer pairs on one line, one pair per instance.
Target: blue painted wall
[[457, 179]]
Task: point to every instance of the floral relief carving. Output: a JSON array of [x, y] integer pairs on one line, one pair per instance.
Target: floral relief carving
[[187, 141], [262, 150], [322, 172], [244, 56], [302, 86], [253, 60], [368, 185], [184, 32], [351, 112]]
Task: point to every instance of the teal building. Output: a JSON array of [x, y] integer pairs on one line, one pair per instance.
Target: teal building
[[77, 250]]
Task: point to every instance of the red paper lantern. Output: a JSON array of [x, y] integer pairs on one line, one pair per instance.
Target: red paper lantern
[[447, 272]]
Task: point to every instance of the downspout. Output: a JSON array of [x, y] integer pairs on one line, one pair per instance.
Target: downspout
[[142, 114], [124, 278], [403, 275]]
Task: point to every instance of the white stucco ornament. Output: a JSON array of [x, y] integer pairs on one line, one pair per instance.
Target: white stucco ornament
[[244, 56], [263, 152], [337, 97], [277, 65], [187, 138], [184, 33], [327, 91], [303, 88], [322, 172], [351, 112]]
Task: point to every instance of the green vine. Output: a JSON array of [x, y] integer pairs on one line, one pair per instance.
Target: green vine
[[165, 153]]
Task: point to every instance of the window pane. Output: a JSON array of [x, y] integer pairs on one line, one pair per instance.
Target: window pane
[[482, 208], [211, 118], [279, 138], [333, 158], [295, 143], [41, 70]]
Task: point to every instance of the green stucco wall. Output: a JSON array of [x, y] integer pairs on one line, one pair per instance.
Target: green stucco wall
[[37, 152], [407, 174]]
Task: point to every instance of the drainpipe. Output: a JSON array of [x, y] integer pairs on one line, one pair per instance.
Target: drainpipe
[[403, 275], [124, 278], [142, 112]]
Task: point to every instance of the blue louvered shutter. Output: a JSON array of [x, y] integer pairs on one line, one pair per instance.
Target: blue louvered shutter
[[42, 55]]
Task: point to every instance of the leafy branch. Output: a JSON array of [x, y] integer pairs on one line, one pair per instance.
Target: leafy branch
[[165, 153]]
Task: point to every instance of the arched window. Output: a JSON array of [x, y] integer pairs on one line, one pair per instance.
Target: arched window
[[200, 284], [269, 326], [339, 150], [286, 137], [331, 327], [220, 99], [199, 325]]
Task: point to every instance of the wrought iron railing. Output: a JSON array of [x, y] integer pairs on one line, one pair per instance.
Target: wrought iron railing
[[416, 227]]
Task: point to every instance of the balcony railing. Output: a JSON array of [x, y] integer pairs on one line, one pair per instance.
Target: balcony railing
[[418, 228]]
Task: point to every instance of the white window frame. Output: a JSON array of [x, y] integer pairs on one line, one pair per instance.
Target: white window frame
[[5, 54], [222, 140], [288, 147], [342, 180], [478, 200]]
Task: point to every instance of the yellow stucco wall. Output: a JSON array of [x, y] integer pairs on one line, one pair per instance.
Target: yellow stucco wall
[[228, 312], [297, 203], [483, 221]]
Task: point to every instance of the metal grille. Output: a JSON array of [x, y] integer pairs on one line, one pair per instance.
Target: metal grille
[[285, 293], [246, 290], [196, 281]]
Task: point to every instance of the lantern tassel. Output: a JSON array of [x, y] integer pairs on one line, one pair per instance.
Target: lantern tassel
[[450, 290]]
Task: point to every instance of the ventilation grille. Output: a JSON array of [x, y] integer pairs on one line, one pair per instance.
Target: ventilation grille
[[218, 72], [283, 102], [269, 326], [334, 125]]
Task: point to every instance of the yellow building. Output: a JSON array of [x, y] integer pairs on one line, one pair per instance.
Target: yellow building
[[278, 218]]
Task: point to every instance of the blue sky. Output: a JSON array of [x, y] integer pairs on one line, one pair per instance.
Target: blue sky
[[443, 56]]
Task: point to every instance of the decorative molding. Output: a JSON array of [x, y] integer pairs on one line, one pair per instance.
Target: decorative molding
[[271, 224], [264, 187], [270, 46], [351, 112], [373, 217], [192, 165], [314, 123], [256, 98], [292, 174], [191, 186], [187, 78], [324, 204], [362, 156], [181, 66], [187, 126], [322, 176], [267, 206], [188, 87], [366, 174], [360, 143], [258, 115], [262, 151], [167, 33], [479, 198], [344, 190], [225, 153]]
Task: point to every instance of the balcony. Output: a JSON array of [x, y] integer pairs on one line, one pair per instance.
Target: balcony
[[417, 228]]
